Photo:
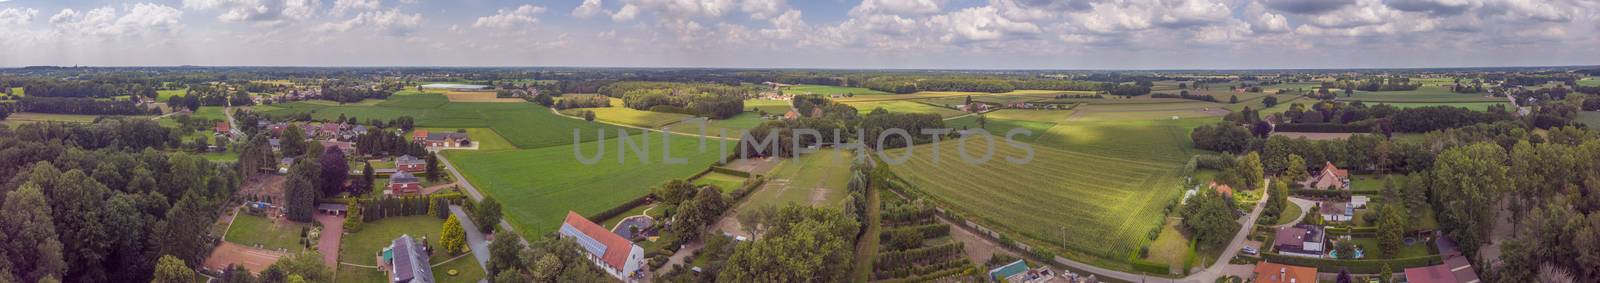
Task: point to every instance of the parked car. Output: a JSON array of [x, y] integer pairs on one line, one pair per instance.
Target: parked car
[[1250, 251]]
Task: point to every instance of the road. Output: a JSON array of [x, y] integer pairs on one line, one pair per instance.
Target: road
[[475, 240]]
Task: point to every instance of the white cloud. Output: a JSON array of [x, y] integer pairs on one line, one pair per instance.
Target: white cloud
[[505, 18], [15, 16], [143, 18], [342, 6], [762, 9], [588, 9], [390, 22], [981, 24], [627, 13], [897, 7], [264, 12]]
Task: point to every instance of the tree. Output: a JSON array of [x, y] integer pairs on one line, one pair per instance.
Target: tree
[[432, 168], [352, 218], [1275, 155], [31, 235], [1233, 99], [1391, 228], [1295, 169], [1209, 218], [172, 270], [982, 122], [674, 192], [452, 237], [186, 226], [368, 176], [335, 170], [1269, 101], [308, 266], [1278, 199], [1250, 171], [1344, 276], [1587, 243], [486, 214], [588, 115], [293, 142], [300, 191], [1387, 276], [1468, 182], [504, 253], [805, 244]]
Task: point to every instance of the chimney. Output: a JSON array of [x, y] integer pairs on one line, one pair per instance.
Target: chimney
[[1282, 273]]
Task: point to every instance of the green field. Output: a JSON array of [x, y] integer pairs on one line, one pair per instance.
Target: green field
[[467, 266], [628, 116], [1088, 207], [1153, 109], [1049, 116], [1153, 140], [524, 125], [723, 181], [904, 107], [772, 107], [17, 91], [734, 125], [257, 231], [999, 127], [537, 127], [210, 113], [362, 247], [538, 186], [164, 95], [1171, 246], [830, 90], [1589, 81], [1291, 213], [816, 179], [30, 117], [1479, 106]]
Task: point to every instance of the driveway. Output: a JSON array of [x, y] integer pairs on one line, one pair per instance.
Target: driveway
[[328, 242], [475, 240]]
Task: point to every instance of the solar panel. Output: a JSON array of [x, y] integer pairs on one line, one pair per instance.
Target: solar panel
[[594, 247]]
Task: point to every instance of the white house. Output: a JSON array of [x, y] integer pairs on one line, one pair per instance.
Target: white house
[[617, 256]]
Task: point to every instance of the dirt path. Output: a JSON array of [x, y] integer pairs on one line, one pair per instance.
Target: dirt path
[[252, 259], [328, 242], [436, 188]]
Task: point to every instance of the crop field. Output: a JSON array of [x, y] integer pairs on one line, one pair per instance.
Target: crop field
[[818, 179], [1424, 94], [1148, 111], [538, 186], [1590, 81], [904, 107], [830, 90], [415, 101], [524, 125], [1049, 116], [479, 96], [629, 116], [1479, 106], [1283, 99], [30, 117], [1591, 118], [17, 91], [1083, 206], [714, 128], [772, 107], [537, 127], [1150, 140], [999, 127]]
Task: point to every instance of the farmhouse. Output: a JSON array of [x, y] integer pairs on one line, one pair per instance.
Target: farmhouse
[[1330, 178], [407, 163], [1267, 272], [403, 183], [446, 139], [1301, 240], [407, 261], [617, 256], [1336, 211], [791, 115]]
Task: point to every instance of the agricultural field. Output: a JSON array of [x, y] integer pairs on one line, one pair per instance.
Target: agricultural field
[[538, 186], [1162, 110], [1591, 118], [999, 127], [1149, 140], [524, 125], [772, 107], [1048, 116], [830, 90], [734, 125], [629, 116], [1589, 81], [210, 113], [817, 179], [537, 127], [904, 107], [30, 117], [479, 96], [164, 95], [1087, 207], [260, 232]]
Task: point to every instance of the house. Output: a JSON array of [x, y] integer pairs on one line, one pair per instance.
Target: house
[[617, 256], [816, 112], [1223, 189], [1453, 270], [407, 163], [407, 261], [1267, 272], [1018, 271], [1330, 178], [404, 183], [222, 128], [1300, 240], [1336, 211], [348, 148], [283, 165], [791, 115], [330, 130], [446, 139]]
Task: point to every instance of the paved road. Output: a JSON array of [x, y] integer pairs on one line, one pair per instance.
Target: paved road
[[473, 193], [475, 240]]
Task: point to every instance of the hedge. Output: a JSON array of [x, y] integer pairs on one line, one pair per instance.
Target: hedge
[[1359, 266], [625, 207], [1340, 195], [724, 170]]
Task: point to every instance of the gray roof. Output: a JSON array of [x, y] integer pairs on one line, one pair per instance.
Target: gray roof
[[408, 159], [402, 177], [446, 135], [410, 261]]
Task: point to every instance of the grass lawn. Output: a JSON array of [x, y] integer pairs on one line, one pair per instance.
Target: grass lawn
[[538, 186], [1369, 247], [258, 231], [817, 179], [362, 247], [1431, 94], [999, 127], [467, 267], [1171, 246], [1163, 140], [1291, 213], [164, 95], [348, 273], [830, 90], [1089, 207], [487, 139], [905, 107], [723, 181], [772, 107], [1367, 184], [1591, 118]]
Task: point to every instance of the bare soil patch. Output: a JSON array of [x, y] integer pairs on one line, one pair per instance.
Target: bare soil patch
[[477, 96]]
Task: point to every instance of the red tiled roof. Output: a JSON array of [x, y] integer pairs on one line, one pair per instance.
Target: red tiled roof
[[222, 126], [617, 248], [420, 134], [1336, 171], [1267, 272]]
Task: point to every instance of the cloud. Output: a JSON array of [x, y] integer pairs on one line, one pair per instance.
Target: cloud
[[588, 9], [143, 18], [1436, 7], [1308, 7], [627, 13], [341, 6], [505, 18], [390, 22], [762, 9], [981, 24], [896, 7], [15, 16], [263, 12]]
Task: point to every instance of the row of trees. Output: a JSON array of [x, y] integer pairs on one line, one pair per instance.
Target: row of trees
[[910, 84], [83, 106]]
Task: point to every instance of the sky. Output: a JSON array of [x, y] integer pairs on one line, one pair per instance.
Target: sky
[[850, 34]]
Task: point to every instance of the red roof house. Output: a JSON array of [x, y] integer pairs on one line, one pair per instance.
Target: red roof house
[[223, 127], [1330, 178], [404, 183], [1267, 272], [617, 256]]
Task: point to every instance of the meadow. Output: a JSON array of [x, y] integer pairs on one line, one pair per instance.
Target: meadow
[[1088, 207], [999, 127], [830, 90], [629, 116], [1591, 118], [164, 95], [538, 186], [817, 179], [1049, 116], [713, 128], [725, 182], [30, 117], [362, 247], [1589, 81], [904, 107], [1150, 140], [1153, 110], [524, 125]]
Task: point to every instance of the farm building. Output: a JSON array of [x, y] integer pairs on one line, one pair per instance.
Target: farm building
[[408, 163], [446, 139], [404, 183], [617, 256], [222, 128], [1018, 271], [1301, 240], [1330, 178], [407, 261], [1267, 272]]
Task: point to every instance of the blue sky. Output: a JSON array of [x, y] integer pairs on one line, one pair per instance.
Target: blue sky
[[955, 34]]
